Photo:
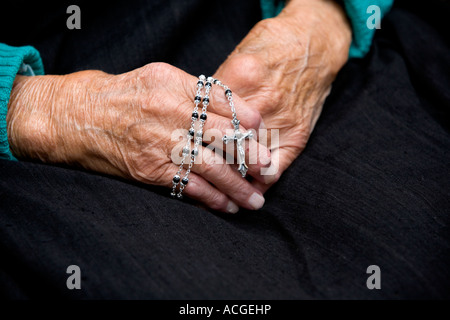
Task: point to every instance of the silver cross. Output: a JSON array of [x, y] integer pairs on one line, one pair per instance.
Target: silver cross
[[239, 137]]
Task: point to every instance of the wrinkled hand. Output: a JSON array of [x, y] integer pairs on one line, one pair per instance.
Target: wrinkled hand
[[123, 125], [284, 69]]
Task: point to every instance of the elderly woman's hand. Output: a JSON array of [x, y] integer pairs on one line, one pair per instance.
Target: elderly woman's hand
[[284, 69], [123, 125]]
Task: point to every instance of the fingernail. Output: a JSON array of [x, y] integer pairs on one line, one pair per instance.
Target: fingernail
[[256, 201], [232, 207]]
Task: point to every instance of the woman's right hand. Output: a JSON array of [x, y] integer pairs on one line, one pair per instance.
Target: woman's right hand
[[123, 124]]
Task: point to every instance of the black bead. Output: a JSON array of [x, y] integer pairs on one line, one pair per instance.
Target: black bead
[[198, 98], [228, 92], [191, 132], [176, 179], [215, 81], [185, 181], [200, 83], [206, 100], [203, 116], [195, 115], [194, 152], [208, 84]]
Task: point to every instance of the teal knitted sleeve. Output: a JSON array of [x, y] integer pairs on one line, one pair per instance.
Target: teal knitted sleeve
[[14, 60], [357, 14]]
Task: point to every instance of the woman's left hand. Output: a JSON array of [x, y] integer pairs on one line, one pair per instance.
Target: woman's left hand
[[284, 69]]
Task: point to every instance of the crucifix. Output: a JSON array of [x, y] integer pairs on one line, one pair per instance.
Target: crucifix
[[239, 137]]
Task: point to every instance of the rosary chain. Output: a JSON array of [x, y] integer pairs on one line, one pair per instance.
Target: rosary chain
[[187, 149], [202, 84]]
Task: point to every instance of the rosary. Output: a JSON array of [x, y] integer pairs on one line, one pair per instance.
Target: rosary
[[238, 136]]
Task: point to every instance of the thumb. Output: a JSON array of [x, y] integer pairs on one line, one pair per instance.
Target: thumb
[[281, 159]]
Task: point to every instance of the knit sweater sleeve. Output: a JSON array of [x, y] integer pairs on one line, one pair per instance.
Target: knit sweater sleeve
[[14, 60], [357, 13]]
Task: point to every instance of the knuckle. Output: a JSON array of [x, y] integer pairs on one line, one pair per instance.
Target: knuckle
[[214, 133], [274, 96], [253, 119], [155, 174], [266, 24], [249, 65], [156, 70], [208, 164], [217, 201]]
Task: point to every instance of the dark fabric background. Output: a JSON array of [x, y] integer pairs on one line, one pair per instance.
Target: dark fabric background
[[371, 188]]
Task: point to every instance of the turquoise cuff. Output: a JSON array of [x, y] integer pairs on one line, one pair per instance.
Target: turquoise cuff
[[14, 60], [271, 8], [357, 14]]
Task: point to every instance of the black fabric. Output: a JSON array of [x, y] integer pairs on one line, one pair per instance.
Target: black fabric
[[371, 188], [119, 36]]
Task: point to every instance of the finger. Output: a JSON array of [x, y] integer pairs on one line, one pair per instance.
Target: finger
[[271, 174], [199, 189], [281, 159], [219, 104], [229, 181]]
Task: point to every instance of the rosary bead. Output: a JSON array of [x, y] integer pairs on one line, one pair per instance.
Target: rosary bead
[[205, 85]]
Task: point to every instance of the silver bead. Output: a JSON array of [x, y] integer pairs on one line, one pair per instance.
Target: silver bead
[[199, 134], [173, 194], [176, 179], [186, 151], [210, 79], [180, 196], [202, 77]]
